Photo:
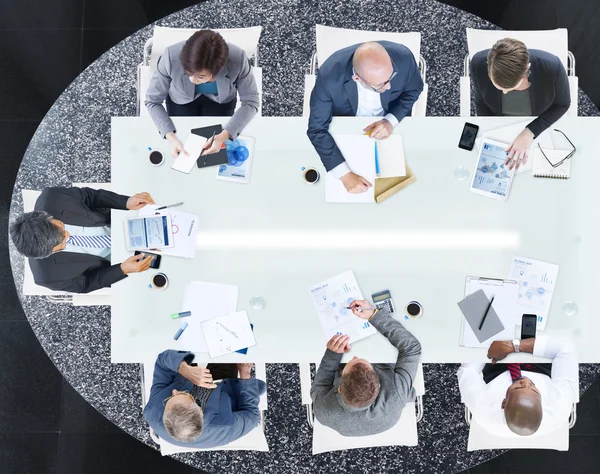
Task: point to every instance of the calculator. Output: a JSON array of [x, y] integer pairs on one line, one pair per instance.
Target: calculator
[[383, 299]]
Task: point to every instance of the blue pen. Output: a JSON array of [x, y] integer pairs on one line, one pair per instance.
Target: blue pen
[[376, 160], [180, 330]]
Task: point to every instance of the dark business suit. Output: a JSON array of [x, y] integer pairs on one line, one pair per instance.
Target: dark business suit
[[70, 271], [335, 94], [550, 93]]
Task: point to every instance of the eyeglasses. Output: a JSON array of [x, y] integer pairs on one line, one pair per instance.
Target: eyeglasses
[[556, 165], [381, 86], [183, 392]]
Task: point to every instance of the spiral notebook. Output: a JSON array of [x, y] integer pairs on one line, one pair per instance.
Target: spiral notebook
[[543, 169]]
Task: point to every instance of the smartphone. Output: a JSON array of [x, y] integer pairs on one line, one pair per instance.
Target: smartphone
[[528, 326], [155, 258], [469, 134]]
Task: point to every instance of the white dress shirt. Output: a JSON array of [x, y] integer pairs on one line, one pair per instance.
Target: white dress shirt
[[79, 230], [369, 105], [558, 391]]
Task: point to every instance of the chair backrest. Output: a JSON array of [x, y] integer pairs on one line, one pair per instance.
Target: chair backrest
[[330, 40], [553, 41], [245, 38], [255, 440], [479, 438]]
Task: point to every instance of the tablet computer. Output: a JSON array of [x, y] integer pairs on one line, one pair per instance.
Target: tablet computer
[[491, 177], [149, 232]]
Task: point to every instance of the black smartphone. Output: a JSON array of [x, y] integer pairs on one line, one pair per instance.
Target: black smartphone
[[469, 134], [155, 258], [528, 326]]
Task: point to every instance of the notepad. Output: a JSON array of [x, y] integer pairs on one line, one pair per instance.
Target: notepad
[[473, 308], [543, 169], [193, 147], [227, 334]]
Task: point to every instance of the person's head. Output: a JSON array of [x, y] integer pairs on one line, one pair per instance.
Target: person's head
[[183, 417], [373, 66], [38, 235], [360, 384], [203, 55], [508, 64], [523, 407]]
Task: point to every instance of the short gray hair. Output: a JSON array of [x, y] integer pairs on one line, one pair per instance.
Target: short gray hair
[[184, 422], [34, 235]]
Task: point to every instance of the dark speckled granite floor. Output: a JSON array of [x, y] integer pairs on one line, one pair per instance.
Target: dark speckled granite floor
[[73, 144]]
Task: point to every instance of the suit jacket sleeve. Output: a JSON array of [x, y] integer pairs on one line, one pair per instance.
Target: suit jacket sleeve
[[247, 415], [98, 198], [325, 376], [562, 101], [480, 79], [157, 92], [321, 113], [409, 350], [401, 106], [166, 369], [246, 87], [91, 280]]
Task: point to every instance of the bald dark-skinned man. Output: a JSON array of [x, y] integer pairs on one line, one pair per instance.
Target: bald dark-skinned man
[[522, 399]]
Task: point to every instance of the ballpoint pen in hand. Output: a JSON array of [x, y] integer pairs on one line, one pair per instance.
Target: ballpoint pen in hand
[[170, 205], [212, 140], [376, 160], [359, 309]]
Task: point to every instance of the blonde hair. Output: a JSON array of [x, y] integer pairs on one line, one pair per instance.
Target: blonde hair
[[508, 62]]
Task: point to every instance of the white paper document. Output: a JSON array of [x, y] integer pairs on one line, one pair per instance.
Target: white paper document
[[206, 301], [227, 334], [330, 298], [537, 281], [506, 296], [359, 152], [193, 147], [184, 227], [509, 133]]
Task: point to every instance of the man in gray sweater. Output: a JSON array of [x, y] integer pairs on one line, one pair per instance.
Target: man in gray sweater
[[365, 399]]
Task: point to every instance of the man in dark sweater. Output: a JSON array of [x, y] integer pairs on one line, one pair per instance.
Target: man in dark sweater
[[365, 399]]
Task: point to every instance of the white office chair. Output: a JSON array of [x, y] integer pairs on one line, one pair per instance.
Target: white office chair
[[255, 440], [245, 38], [95, 298], [403, 433], [552, 41], [480, 438], [330, 40]]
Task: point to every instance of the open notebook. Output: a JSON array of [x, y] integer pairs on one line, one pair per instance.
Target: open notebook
[[543, 169]]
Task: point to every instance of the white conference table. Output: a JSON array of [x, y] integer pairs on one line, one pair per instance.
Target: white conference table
[[276, 236]]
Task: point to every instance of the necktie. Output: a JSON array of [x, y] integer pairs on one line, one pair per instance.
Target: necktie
[[90, 241], [515, 371]]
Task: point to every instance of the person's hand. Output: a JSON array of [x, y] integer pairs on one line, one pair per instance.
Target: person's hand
[[139, 200], [217, 144], [354, 183], [136, 263], [499, 350], [339, 343], [518, 150], [380, 129], [361, 304], [176, 146], [244, 370], [199, 376]]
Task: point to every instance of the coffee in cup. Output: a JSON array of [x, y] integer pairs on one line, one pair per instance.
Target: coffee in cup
[[159, 281], [413, 310], [156, 157], [311, 176]]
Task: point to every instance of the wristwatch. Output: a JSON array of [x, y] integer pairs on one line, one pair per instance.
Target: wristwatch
[[516, 345]]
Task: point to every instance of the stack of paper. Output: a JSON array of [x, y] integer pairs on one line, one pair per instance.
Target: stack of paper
[[227, 334], [184, 227], [193, 147]]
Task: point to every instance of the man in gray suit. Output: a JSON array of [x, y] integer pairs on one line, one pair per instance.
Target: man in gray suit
[[365, 399], [376, 79], [202, 77]]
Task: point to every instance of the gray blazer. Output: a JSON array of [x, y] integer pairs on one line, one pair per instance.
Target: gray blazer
[[396, 381], [170, 79]]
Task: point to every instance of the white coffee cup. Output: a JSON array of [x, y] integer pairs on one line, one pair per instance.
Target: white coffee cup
[[159, 281], [156, 157], [413, 310], [311, 176]]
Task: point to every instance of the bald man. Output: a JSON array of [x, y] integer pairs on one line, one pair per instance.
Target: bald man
[[522, 399], [375, 79]]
